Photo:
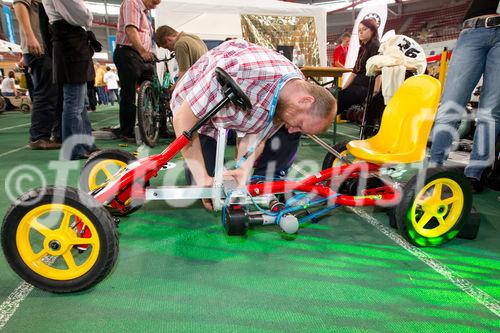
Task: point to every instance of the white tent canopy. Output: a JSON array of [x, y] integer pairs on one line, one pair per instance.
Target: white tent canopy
[[9, 47], [219, 19]]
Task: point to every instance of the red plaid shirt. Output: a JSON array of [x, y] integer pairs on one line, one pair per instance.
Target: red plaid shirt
[[257, 70], [134, 13]]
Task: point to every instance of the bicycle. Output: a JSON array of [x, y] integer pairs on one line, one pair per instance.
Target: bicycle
[[153, 106]]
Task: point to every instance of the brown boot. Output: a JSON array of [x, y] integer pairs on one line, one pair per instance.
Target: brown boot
[[44, 144]]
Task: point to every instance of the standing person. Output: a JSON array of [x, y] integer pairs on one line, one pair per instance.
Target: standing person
[[477, 53], [100, 84], [8, 87], [355, 89], [45, 93], [340, 52], [277, 90], [133, 52], [188, 48], [111, 80], [72, 56]]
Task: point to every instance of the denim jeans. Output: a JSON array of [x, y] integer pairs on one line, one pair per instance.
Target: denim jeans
[[477, 53], [76, 128], [103, 96], [46, 112]]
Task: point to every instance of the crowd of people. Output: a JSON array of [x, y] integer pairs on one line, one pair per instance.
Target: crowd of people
[[58, 45]]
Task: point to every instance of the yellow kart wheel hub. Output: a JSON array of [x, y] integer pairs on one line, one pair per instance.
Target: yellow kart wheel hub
[[430, 204], [107, 168], [56, 224]]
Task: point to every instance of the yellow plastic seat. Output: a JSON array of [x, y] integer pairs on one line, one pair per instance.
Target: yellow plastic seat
[[406, 123]]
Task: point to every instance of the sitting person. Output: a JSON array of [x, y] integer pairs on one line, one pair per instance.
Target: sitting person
[[355, 89], [260, 72], [9, 85]]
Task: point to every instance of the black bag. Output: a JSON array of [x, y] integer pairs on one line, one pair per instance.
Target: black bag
[[94, 43]]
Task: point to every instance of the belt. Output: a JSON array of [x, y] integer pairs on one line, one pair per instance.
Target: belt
[[482, 22]]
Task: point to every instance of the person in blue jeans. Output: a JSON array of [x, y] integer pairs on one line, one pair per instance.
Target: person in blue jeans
[[477, 53], [73, 67]]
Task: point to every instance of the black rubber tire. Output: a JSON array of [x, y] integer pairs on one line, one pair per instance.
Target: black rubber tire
[[330, 158], [404, 225], [25, 108], [391, 215], [148, 117], [100, 217], [349, 186], [114, 154], [3, 104], [236, 222]]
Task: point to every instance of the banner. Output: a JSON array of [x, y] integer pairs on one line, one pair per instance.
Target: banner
[[112, 44], [378, 12], [8, 24]]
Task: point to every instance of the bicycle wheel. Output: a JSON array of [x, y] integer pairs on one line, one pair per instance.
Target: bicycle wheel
[[148, 116]]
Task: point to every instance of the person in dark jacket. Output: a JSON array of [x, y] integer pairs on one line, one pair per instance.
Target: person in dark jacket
[[355, 89], [73, 68]]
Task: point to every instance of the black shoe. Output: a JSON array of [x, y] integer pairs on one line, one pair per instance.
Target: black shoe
[[477, 185], [128, 139], [117, 133]]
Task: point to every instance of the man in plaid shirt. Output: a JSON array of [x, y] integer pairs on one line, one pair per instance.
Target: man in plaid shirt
[[302, 106]]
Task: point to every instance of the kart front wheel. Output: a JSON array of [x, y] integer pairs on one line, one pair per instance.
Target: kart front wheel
[[434, 209], [59, 239]]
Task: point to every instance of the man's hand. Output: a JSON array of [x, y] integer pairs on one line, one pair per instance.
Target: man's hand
[[34, 46], [240, 175], [147, 56]]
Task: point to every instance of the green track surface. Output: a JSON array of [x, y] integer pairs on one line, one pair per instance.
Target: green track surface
[[178, 271]]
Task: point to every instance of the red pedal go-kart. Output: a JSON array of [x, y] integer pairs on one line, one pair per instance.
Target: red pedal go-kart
[[62, 239]]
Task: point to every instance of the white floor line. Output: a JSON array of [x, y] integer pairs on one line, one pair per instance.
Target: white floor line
[[13, 151], [10, 305], [102, 120], [349, 136], [477, 294], [11, 127]]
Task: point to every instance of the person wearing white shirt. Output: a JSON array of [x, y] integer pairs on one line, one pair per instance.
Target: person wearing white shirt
[[73, 67], [111, 80]]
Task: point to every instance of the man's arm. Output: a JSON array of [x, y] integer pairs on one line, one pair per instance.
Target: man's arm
[[349, 81], [242, 174], [182, 58], [184, 119], [134, 38], [23, 16], [338, 64]]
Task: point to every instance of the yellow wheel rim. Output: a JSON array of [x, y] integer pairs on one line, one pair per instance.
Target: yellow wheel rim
[[437, 207], [103, 171], [338, 162], [46, 239]]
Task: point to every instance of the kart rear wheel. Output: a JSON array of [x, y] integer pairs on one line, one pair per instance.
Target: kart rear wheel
[[103, 166], [25, 108], [433, 213], [59, 239], [148, 114], [349, 186], [3, 104], [331, 160]]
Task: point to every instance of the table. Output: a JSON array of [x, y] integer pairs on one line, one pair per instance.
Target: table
[[312, 72]]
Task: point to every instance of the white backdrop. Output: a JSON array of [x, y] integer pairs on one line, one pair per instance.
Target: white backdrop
[[219, 19]]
